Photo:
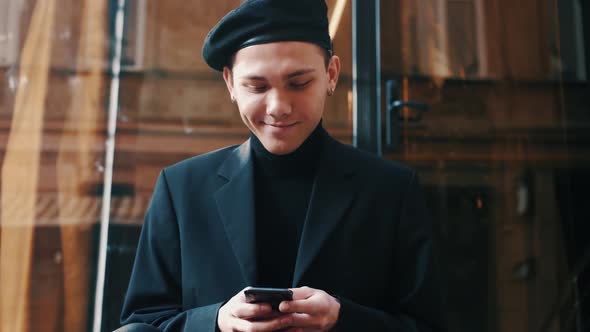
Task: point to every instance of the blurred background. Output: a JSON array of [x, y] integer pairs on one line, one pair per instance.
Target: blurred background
[[488, 99]]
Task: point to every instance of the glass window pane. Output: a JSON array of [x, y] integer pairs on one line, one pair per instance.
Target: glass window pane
[[52, 92], [500, 141]]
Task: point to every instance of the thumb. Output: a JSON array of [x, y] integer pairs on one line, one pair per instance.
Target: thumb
[[302, 293]]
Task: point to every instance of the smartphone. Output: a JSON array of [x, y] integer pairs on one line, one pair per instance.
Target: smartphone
[[273, 296]]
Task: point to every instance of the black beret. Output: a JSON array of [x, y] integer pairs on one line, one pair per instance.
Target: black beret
[[266, 21]]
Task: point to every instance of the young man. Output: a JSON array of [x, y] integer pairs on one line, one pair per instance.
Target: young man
[[291, 207]]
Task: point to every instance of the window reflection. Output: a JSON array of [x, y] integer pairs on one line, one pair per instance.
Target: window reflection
[[503, 151]]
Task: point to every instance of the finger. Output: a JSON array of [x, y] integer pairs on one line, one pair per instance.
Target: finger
[[250, 310], [266, 325], [303, 293], [242, 294], [300, 306], [312, 323], [293, 329], [305, 321]]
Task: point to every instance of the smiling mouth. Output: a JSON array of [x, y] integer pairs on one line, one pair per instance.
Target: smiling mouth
[[281, 125]]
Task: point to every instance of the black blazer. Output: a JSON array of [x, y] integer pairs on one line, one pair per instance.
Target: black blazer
[[366, 240]]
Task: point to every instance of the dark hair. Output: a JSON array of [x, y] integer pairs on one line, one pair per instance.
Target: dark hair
[[327, 57]]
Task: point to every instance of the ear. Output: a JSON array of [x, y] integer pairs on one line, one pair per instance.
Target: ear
[[334, 71], [229, 80]]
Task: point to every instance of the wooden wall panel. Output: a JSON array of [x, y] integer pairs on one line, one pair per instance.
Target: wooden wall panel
[[520, 39], [394, 48], [527, 34], [46, 282], [76, 158], [66, 33], [181, 28]]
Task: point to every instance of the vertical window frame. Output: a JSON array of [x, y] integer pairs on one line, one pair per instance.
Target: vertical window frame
[[132, 58]]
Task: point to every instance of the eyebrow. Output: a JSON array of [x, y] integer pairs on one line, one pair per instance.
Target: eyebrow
[[299, 73], [254, 78], [288, 76]]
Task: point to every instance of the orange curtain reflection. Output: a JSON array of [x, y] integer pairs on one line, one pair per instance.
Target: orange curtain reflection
[[20, 170]]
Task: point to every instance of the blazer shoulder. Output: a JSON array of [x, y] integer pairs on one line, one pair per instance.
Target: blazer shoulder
[[202, 164]]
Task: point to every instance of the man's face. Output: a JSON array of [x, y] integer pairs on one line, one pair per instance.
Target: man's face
[[280, 89]]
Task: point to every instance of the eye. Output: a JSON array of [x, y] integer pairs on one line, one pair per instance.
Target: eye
[[256, 88], [299, 85]]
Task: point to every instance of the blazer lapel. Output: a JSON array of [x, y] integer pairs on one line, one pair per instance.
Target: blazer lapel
[[332, 194], [235, 202]]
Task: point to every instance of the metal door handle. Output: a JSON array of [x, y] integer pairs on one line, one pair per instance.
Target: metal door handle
[[393, 115]]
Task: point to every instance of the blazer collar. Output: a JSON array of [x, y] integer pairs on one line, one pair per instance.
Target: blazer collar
[[332, 194], [235, 203]]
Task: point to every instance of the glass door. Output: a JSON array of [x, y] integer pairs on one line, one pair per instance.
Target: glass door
[[489, 101]]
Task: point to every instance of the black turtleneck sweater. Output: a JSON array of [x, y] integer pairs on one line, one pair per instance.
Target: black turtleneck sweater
[[283, 187]]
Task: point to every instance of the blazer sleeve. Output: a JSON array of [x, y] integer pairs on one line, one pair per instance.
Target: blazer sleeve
[[416, 302], [154, 295]]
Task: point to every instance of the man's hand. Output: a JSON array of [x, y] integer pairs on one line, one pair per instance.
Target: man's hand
[[238, 315], [312, 310]]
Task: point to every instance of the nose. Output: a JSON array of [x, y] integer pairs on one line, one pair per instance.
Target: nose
[[278, 104]]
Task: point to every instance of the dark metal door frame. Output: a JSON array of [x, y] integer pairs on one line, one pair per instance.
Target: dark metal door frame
[[366, 75]]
